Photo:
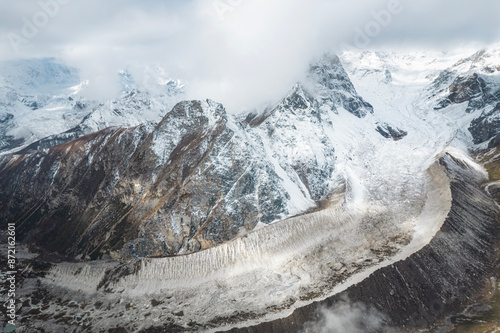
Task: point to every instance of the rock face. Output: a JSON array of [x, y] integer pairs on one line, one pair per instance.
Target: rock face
[[334, 87], [487, 125], [476, 82], [388, 132], [472, 89], [198, 178], [434, 282]]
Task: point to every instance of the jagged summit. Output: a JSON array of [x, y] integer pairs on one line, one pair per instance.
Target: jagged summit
[[482, 62], [327, 87], [207, 111], [188, 122], [333, 88]]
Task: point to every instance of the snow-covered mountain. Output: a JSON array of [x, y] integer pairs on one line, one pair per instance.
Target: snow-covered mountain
[[473, 83], [360, 168], [457, 91], [276, 164], [37, 98], [256, 169], [41, 103]]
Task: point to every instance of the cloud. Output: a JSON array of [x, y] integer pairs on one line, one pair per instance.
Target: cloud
[[239, 52], [347, 317]]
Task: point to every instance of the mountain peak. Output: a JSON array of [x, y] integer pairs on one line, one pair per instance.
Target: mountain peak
[[199, 109], [328, 80]]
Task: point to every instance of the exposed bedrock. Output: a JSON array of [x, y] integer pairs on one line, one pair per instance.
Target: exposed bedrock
[[434, 282]]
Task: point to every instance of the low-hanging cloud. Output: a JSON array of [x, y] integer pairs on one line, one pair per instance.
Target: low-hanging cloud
[[346, 316], [239, 52]]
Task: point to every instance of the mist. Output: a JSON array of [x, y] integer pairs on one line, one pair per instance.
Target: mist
[[239, 52], [345, 316]]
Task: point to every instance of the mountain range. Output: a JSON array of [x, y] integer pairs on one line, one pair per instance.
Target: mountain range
[[346, 174]]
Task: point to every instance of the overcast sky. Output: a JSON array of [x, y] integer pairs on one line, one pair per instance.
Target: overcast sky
[[239, 52]]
